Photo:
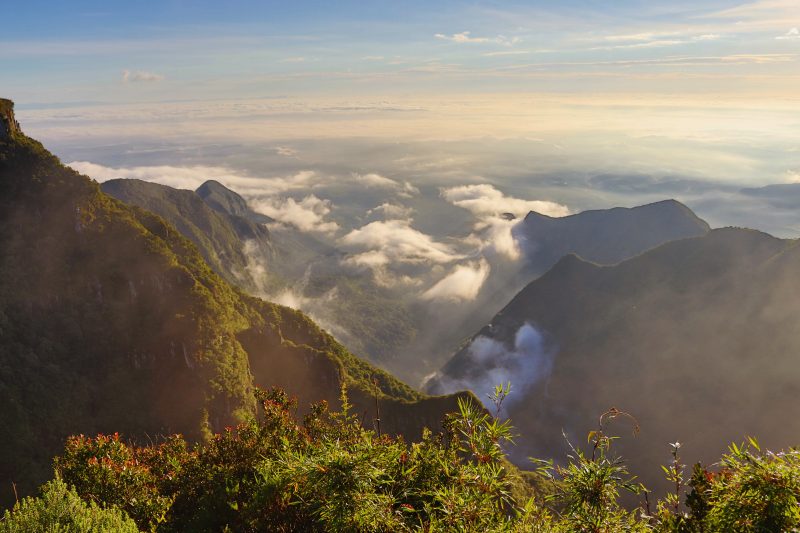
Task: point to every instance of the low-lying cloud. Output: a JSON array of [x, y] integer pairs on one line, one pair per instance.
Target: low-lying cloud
[[497, 214], [188, 177], [494, 235], [376, 181], [489, 362], [308, 214], [192, 176], [395, 241], [391, 211], [485, 199], [462, 284]]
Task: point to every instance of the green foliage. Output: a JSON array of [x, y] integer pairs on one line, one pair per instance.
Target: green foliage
[[751, 491], [97, 297], [328, 473], [219, 237], [104, 469], [588, 487], [60, 510], [755, 491]]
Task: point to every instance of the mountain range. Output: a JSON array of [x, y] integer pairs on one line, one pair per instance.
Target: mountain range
[[111, 320], [132, 306], [602, 236], [696, 339], [380, 323]]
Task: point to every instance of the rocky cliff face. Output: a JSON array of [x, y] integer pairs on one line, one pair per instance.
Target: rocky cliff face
[[8, 124]]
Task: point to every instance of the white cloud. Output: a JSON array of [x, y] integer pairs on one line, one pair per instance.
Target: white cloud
[[462, 284], [306, 215], [285, 151], [490, 362], [193, 176], [394, 241], [392, 211], [408, 190], [506, 53], [791, 35], [178, 177], [644, 36], [496, 237], [758, 10], [466, 37], [654, 40], [140, 76], [376, 181], [485, 199], [496, 214]]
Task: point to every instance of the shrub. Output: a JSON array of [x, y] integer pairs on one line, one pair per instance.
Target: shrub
[[60, 510], [328, 473]]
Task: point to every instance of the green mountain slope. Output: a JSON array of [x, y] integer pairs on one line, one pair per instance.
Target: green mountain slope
[[391, 327], [368, 318], [229, 243], [696, 338], [110, 320]]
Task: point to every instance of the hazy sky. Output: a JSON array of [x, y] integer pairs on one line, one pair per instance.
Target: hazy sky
[[527, 96], [156, 50]]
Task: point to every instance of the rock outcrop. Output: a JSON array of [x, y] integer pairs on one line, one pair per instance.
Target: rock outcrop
[[8, 124]]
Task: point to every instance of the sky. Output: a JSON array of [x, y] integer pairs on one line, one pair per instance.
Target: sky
[[542, 99], [56, 52]]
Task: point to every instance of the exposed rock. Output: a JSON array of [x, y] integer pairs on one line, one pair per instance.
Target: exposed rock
[[8, 124]]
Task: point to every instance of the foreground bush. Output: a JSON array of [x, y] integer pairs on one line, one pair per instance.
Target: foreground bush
[[60, 510], [328, 473]]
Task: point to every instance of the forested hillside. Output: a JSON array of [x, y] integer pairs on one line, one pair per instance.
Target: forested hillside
[[112, 321]]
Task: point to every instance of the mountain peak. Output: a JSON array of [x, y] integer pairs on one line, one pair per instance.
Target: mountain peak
[[213, 185], [8, 124], [221, 198]]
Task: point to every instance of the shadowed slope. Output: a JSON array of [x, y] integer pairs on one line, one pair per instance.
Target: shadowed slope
[[696, 338]]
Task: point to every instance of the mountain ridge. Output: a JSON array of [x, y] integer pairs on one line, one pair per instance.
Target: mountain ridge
[[111, 321], [693, 338], [220, 237]]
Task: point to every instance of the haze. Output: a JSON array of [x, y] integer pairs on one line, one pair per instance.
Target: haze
[[692, 100]]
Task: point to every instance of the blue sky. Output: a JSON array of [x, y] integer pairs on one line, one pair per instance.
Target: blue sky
[[80, 51], [507, 93]]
